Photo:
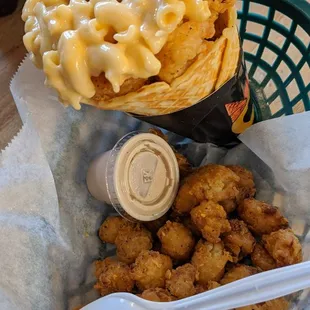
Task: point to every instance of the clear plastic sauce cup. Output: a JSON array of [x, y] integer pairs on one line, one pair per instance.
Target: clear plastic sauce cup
[[139, 177]]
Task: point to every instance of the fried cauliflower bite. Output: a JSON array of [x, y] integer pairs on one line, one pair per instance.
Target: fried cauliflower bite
[[157, 294], [149, 270], [188, 222], [211, 219], [262, 259], [261, 217], [246, 187], [211, 182], [210, 261], [130, 241], [185, 167], [180, 281], [110, 228], [182, 47], [114, 277], [211, 285], [176, 240], [284, 247], [238, 272], [239, 241], [275, 304], [221, 6]]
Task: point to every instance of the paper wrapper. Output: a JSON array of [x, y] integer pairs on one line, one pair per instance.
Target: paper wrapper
[[218, 118], [49, 221]]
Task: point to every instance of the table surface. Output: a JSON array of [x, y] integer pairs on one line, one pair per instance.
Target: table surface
[[12, 52]]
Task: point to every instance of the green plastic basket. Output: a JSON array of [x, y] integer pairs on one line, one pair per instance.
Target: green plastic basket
[[276, 42]]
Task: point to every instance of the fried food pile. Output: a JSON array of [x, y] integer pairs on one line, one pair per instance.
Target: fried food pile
[[200, 244]]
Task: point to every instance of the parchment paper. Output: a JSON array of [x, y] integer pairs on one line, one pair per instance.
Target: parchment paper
[[49, 222]]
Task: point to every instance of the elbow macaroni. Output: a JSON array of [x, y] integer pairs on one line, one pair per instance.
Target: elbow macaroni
[[77, 39]]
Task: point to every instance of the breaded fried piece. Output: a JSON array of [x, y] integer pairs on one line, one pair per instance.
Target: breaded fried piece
[[130, 241], [182, 47], [114, 277], [157, 294], [211, 182], [221, 6], [184, 166], [262, 259], [246, 188], [275, 304], [149, 269], [110, 228], [210, 261], [284, 247], [239, 241], [188, 222], [153, 226], [176, 240], [211, 285], [261, 217], [211, 219], [104, 89], [180, 282], [238, 272]]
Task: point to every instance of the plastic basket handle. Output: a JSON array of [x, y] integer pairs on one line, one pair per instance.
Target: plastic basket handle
[[251, 290]]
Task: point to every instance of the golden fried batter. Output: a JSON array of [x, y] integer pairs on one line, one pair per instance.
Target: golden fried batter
[[210, 260], [130, 241], [211, 285], [211, 182], [284, 247], [182, 47], [184, 166], [149, 269], [177, 240], [157, 294], [275, 304], [238, 272], [261, 258], [113, 276], [239, 241], [188, 222], [211, 219], [180, 282], [221, 6], [159, 133], [110, 228], [246, 188], [261, 217], [104, 89], [153, 226]]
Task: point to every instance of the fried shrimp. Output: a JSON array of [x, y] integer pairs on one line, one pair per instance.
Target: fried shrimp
[[182, 47], [211, 219], [284, 247], [113, 276], [180, 282], [211, 182], [239, 241], [261, 217]]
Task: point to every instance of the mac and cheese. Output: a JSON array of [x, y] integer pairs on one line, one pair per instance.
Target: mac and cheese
[[77, 39]]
